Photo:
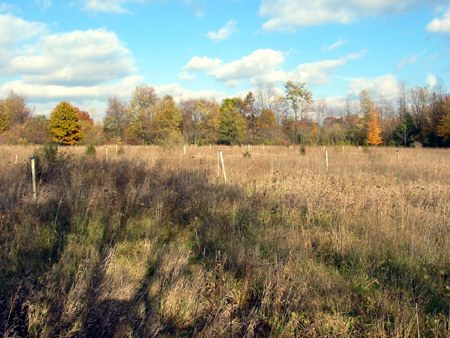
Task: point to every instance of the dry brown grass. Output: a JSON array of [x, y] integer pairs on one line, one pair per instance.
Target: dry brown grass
[[152, 242]]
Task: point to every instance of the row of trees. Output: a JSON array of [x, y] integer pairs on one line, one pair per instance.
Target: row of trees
[[67, 124], [419, 115]]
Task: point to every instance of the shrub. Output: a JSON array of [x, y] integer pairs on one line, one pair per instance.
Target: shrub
[[121, 150], [48, 153], [90, 150]]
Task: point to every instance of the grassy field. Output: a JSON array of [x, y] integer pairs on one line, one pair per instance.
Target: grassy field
[[153, 242]]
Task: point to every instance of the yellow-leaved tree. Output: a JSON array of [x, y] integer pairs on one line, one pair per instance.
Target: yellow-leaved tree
[[167, 123], [64, 124], [373, 129]]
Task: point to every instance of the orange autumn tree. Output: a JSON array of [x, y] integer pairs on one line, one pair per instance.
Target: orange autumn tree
[[373, 129], [369, 110], [314, 132]]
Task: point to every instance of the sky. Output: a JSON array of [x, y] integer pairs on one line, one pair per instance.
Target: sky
[[85, 51]]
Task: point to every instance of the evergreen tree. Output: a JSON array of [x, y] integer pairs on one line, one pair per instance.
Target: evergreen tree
[[64, 124], [439, 108], [405, 132]]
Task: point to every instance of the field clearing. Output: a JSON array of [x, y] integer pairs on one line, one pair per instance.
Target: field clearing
[[403, 163], [152, 242]]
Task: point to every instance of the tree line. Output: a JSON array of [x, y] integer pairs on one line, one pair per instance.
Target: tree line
[[419, 115]]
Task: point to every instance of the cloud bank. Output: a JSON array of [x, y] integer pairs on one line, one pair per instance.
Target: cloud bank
[[291, 14]]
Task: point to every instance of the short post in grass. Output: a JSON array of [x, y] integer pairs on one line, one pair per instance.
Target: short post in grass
[[222, 162], [17, 159], [33, 176], [184, 149], [398, 155], [302, 150], [326, 158], [117, 149], [218, 163]]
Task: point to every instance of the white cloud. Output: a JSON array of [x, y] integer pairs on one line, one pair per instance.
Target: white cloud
[[109, 6], [202, 63], [440, 25], [266, 66], [271, 76], [385, 86], [80, 66], [223, 33], [259, 62], [53, 92], [432, 80], [15, 30], [180, 93], [290, 14], [336, 45], [319, 72], [91, 98], [335, 103], [75, 58], [120, 6]]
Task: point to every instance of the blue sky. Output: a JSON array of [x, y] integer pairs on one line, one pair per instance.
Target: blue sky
[[85, 51]]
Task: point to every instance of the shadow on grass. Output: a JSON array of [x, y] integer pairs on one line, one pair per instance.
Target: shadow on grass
[[115, 193]]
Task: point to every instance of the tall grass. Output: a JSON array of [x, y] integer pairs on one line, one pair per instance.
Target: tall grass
[[151, 242]]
